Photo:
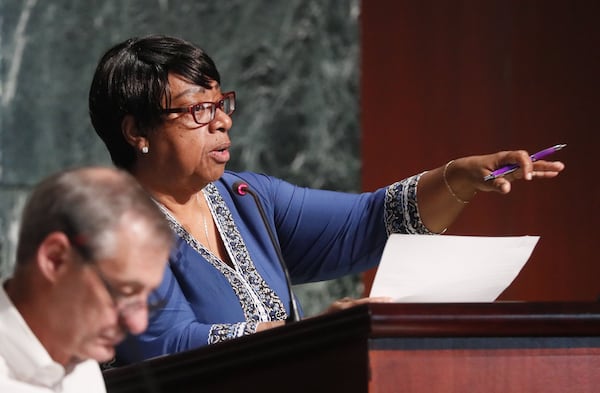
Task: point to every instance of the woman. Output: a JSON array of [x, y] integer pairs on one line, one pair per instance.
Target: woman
[[157, 104]]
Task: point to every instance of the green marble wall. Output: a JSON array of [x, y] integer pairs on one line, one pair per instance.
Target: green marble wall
[[294, 65]]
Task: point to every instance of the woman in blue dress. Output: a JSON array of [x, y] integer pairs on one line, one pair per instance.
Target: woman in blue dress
[[157, 103]]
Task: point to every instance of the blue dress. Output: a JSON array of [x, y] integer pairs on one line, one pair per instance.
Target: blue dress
[[322, 234]]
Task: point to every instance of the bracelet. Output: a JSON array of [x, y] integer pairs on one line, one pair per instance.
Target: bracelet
[[448, 184]]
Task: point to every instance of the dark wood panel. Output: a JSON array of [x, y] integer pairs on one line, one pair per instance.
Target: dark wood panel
[[485, 319], [490, 371], [312, 355], [373, 345], [445, 79]]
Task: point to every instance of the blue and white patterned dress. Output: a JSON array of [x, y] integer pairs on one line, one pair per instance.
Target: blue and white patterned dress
[[323, 235]]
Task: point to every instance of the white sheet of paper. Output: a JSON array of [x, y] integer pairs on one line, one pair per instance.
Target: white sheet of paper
[[445, 268]]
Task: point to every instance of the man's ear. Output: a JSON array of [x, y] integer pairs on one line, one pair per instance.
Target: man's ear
[[132, 133], [53, 255]]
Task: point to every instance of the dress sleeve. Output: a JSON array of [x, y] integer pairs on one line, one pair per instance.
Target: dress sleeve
[[327, 234], [226, 331], [401, 209]]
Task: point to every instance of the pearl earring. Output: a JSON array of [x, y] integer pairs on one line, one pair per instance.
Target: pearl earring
[[145, 150]]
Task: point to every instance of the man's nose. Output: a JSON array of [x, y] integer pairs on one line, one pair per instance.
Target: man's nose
[[135, 322]]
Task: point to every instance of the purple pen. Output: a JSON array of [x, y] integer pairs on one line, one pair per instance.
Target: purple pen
[[513, 167]]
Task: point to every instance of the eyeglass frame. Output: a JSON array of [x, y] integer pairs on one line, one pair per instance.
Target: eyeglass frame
[[120, 301], [127, 304], [213, 105]]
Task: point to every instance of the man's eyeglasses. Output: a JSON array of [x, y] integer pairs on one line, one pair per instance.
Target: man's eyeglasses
[[125, 305], [204, 112]]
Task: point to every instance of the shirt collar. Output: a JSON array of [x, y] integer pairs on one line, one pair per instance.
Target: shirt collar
[[25, 355]]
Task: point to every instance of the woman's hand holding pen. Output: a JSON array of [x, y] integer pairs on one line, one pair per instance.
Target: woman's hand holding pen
[[521, 164], [445, 191]]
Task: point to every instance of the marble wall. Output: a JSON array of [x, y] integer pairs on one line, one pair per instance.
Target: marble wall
[[294, 66]]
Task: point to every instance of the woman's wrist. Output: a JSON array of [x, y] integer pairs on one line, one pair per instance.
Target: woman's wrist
[[460, 189]]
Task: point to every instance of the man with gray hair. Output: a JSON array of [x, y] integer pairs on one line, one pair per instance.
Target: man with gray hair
[[92, 248]]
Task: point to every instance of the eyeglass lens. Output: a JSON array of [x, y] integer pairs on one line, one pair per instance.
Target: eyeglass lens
[[127, 304], [205, 112]]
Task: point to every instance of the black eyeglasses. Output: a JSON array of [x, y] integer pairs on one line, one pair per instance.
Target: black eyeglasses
[[125, 305], [204, 112]]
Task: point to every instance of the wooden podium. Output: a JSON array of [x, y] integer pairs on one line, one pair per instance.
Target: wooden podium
[[483, 347]]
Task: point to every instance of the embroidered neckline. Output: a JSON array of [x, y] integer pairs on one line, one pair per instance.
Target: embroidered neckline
[[258, 301]]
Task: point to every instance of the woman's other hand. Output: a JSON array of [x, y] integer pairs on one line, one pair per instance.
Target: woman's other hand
[[348, 302]]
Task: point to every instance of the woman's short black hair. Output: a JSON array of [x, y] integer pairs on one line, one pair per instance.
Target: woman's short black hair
[[132, 79]]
